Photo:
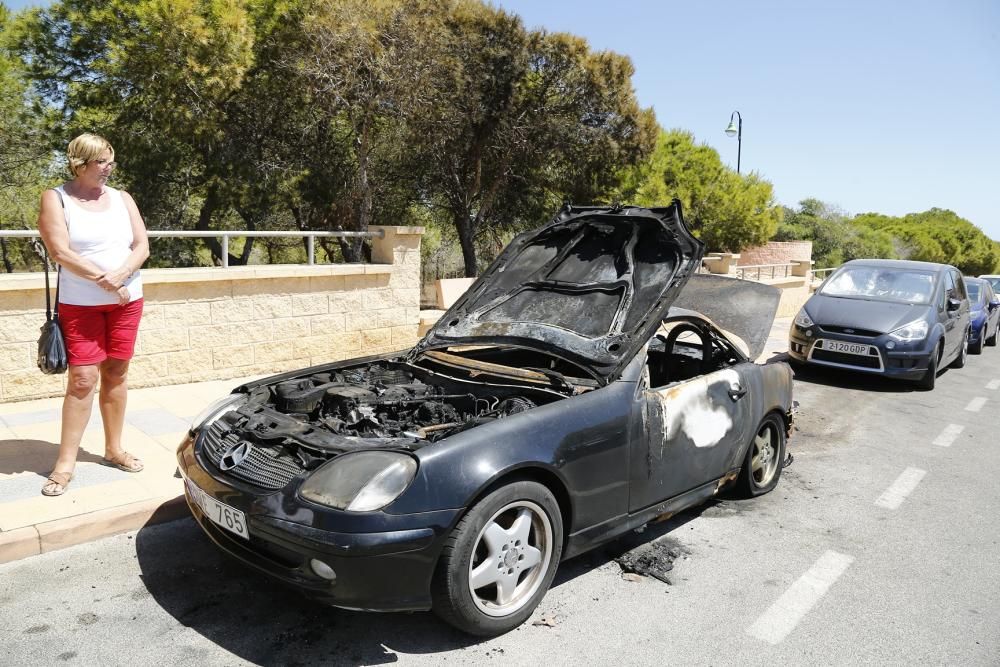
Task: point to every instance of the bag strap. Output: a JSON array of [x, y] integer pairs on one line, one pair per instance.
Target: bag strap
[[55, 311]]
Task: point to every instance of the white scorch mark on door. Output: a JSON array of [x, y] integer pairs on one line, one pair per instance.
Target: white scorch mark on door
[[688, 407]]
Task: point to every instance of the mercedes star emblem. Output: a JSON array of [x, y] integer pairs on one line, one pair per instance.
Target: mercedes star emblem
[[234, 456]]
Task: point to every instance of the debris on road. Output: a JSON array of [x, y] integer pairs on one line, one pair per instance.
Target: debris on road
[[650, 560]]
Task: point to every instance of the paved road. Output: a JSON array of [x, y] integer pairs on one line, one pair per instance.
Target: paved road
[[878, 547]]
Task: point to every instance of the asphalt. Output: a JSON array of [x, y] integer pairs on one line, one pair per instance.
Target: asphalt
[[101, 500]]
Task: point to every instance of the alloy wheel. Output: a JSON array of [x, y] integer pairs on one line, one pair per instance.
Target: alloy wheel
[[764, 461], [510, 558]]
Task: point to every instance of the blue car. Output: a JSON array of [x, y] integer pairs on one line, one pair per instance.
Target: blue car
[[984, 314]]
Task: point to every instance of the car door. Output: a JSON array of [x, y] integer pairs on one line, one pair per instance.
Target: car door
[[693, 433], [954, 334]]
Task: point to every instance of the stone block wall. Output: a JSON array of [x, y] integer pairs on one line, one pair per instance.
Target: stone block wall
[[214, 323], [776, 252]]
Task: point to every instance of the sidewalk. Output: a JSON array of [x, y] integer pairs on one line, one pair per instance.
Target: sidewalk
[[101, 500]]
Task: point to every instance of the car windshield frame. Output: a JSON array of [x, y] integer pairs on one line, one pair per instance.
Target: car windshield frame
[[878, 283]]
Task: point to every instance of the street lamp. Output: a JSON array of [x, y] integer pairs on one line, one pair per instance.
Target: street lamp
[[735, 129]]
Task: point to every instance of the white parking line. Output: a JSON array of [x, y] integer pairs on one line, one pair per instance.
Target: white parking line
[[948, 435], [993, 384], [781, 618], [894, 496], [976, 404]]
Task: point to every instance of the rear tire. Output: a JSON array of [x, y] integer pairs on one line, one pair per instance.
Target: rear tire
[[977, 347], [765, 456], [499, 561]]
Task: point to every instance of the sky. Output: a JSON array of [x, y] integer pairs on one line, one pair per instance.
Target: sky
[[887, 106]]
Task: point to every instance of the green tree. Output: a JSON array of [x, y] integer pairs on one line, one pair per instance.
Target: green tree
[[23, 154], [835, 237], [524, 120], [726, 210]]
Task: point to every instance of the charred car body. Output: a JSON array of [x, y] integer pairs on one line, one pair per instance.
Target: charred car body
[[565, 399]]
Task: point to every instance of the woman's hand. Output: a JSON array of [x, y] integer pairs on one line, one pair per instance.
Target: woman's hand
[[112, 280], [123, 296]]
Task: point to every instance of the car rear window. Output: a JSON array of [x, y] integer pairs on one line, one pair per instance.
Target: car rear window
[[889, 284], [973, 290]]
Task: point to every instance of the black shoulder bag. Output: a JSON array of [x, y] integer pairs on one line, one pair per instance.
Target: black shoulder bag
[[52, 357]]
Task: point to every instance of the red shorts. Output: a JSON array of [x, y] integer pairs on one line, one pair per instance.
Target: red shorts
[[94, 333]]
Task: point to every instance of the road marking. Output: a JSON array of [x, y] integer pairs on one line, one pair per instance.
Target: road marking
[[894, 496], [948, 435], [993, 384], [781, 618], [976, 404]]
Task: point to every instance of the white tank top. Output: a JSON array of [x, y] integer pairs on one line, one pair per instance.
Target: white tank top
[[104, 238]]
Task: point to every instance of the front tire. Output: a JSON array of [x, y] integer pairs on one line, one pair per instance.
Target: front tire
[[992, 340], [963, 355], [927, 382], [977, 347], [499, 561], [765, 455]]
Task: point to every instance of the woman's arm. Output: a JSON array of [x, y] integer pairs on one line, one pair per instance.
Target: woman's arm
[[52, 227], [140, 248]]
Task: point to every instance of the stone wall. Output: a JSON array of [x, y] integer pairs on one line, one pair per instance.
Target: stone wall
[[214, 323], [776, 252]]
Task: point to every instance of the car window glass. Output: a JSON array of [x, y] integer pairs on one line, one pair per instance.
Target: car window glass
[[973, 289], [959, 284], [949, 283], [884, 283]]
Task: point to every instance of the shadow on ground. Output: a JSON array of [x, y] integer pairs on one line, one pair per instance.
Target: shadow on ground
[[20, 455], [264, 622], [834, 377]]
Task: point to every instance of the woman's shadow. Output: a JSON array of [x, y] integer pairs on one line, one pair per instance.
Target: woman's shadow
[[20, 455]]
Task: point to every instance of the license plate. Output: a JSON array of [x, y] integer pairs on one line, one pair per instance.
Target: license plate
[[222, 515], [845, 348]]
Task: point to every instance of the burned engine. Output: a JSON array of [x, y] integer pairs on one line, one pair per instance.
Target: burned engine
[[385, 404]]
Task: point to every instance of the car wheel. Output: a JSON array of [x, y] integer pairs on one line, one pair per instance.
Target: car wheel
[[926, 383], [499, 561], [977, 347], [963, 355], [762, 466], [992, 340]]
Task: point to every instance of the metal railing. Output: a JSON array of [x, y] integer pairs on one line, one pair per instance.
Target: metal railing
[[225, 235], [758, 271], [821, 274]]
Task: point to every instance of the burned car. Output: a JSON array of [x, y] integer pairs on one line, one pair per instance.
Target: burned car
[[570, 395]]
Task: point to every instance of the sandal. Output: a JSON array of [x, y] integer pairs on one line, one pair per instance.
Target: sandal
[[56, 483], [124, 461]]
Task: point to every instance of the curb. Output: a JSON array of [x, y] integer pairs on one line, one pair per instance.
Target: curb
[[71, 531]]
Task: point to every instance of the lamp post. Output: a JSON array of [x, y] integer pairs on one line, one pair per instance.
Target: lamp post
[[735, 129]]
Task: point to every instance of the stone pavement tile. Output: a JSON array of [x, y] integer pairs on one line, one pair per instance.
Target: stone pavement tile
[[171, 441], [35, 405], [74, 530], [155, 421], [6, 433], [29, 484], [31, 417], [19, 543], [40, 509]]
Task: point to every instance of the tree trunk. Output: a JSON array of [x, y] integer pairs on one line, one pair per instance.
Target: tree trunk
[[6, 260], [205, 221], [466, 228]]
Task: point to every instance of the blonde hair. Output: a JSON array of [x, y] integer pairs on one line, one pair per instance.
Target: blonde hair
[[85, 148]]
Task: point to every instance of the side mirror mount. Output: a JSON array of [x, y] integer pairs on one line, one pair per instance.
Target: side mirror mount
[[954, 304], [994, 304]]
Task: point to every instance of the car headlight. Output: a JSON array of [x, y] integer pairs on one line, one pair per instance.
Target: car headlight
[[916, 330], [216, 409], [803, 320], [360, 482]]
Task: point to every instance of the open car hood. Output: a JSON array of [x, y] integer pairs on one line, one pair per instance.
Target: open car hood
[[590, 287]]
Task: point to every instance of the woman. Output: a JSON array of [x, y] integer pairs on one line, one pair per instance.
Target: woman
[[95, 233]]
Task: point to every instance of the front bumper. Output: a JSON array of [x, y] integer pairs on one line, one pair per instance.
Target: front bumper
[[382, 562], [905, 361]]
